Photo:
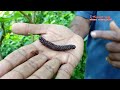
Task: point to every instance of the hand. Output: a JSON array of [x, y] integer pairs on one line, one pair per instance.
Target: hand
[[114, 46], [36, 61]]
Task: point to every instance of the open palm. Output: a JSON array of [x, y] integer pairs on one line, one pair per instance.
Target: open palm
[[35, 61]]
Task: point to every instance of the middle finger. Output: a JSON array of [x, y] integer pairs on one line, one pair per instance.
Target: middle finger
[[47, 71]]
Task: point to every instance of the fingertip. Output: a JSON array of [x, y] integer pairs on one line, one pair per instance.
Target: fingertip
[[19, 28], [113, 25], [15, 26], [93, 34]]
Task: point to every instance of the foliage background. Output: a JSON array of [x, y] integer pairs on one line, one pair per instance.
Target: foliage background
[[10, 41]]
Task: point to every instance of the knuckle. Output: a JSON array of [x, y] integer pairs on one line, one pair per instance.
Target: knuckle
[[62, 75], [32, 64], [18, 73], [67, 68], [43, 56], [49, 68], [9, 62], [22, 52], [36, 76]]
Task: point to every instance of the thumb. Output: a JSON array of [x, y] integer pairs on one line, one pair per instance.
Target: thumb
[[114, 27], [25, 28]]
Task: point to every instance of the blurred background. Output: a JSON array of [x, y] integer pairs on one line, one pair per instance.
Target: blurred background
[[10, 41]]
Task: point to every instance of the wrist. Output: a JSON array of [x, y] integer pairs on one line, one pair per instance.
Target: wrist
[[80, 26]]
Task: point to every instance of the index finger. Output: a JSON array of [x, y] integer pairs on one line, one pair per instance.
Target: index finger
[[25, 28], [109, 35]]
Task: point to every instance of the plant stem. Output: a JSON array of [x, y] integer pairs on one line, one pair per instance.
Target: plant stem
[[2, 37], [33, 16], [3, 32], [26, 16], [33, 20]]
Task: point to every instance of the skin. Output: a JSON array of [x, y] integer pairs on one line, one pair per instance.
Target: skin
[[35, 61], [114, 46], [80, 26]]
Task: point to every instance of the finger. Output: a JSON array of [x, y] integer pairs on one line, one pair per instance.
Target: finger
[[114, 56], [113, 47], [114, 27], [47, 71], [25, 28], [17, 57], [62, 56], [109, 35], [65, 71], [114, 63], [26, 69]]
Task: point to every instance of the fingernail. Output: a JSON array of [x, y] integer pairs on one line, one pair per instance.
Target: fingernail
[[93, 34]]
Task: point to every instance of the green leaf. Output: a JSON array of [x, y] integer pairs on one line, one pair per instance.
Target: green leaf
[[5, 19]]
